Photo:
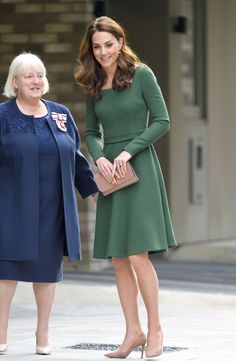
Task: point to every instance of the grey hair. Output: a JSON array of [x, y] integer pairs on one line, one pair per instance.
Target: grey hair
[[19, 65]]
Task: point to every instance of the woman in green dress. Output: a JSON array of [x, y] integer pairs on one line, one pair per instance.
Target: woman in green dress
[[133, 222]]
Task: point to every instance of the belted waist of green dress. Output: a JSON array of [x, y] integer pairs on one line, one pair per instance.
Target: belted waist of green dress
[[115, 138]]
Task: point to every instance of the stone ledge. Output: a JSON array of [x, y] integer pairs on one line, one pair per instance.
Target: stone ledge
[[220, 251]]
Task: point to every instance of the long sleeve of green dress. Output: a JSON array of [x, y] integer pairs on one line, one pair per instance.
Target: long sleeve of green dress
[[157, 109]]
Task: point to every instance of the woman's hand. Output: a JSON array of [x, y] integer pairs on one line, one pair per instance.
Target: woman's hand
[[119, 165], [105, 167]]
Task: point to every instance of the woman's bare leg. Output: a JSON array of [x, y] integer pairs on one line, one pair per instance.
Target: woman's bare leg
[[149, 288], [7, 291], [128, 293], [44, 296]]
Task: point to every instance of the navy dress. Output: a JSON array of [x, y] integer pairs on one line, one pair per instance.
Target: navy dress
[[52, 240]]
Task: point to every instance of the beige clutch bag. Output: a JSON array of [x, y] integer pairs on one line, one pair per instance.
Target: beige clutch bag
[[107, 188]]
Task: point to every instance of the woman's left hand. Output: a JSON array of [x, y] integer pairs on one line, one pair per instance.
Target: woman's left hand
[[119, 164]]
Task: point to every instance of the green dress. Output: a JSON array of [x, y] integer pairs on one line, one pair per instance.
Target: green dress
[[135, 219]]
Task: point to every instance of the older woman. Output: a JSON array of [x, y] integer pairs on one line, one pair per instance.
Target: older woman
[[40, 165]]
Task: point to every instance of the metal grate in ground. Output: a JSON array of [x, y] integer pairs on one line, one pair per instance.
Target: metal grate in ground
[[111, 347]]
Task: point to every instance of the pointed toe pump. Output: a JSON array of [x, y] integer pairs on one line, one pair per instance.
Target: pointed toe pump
[[123, 353], [155, 351], [43, 350], [3, 347], [47, 350]]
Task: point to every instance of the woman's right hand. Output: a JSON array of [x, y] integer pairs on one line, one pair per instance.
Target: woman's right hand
[[105, 168]]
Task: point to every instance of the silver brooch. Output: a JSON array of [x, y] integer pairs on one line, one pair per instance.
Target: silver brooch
[[60, 120]]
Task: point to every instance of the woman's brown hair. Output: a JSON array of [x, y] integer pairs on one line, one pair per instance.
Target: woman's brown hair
[[89, 74]]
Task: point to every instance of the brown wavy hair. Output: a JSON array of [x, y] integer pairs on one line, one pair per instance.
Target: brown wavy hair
[[90, 74]]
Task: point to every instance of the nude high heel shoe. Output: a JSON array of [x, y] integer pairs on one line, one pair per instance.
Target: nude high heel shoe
[[3, 347], [157, 350], [47, 350], [43, 350], [154, 353], [138, 341]]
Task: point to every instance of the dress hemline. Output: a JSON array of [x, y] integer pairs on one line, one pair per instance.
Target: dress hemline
[[163, 250]]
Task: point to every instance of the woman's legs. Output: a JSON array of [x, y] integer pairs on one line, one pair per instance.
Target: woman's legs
[[149, 288], [44, 296], [7, 290], [128, 294], [126, 270]]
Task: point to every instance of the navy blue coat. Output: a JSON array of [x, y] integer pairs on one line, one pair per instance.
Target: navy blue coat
[[19, 181]]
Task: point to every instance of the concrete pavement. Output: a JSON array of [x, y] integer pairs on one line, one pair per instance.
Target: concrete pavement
[[199, 320]]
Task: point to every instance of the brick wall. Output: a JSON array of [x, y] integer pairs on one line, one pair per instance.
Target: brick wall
[[53, 31]]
